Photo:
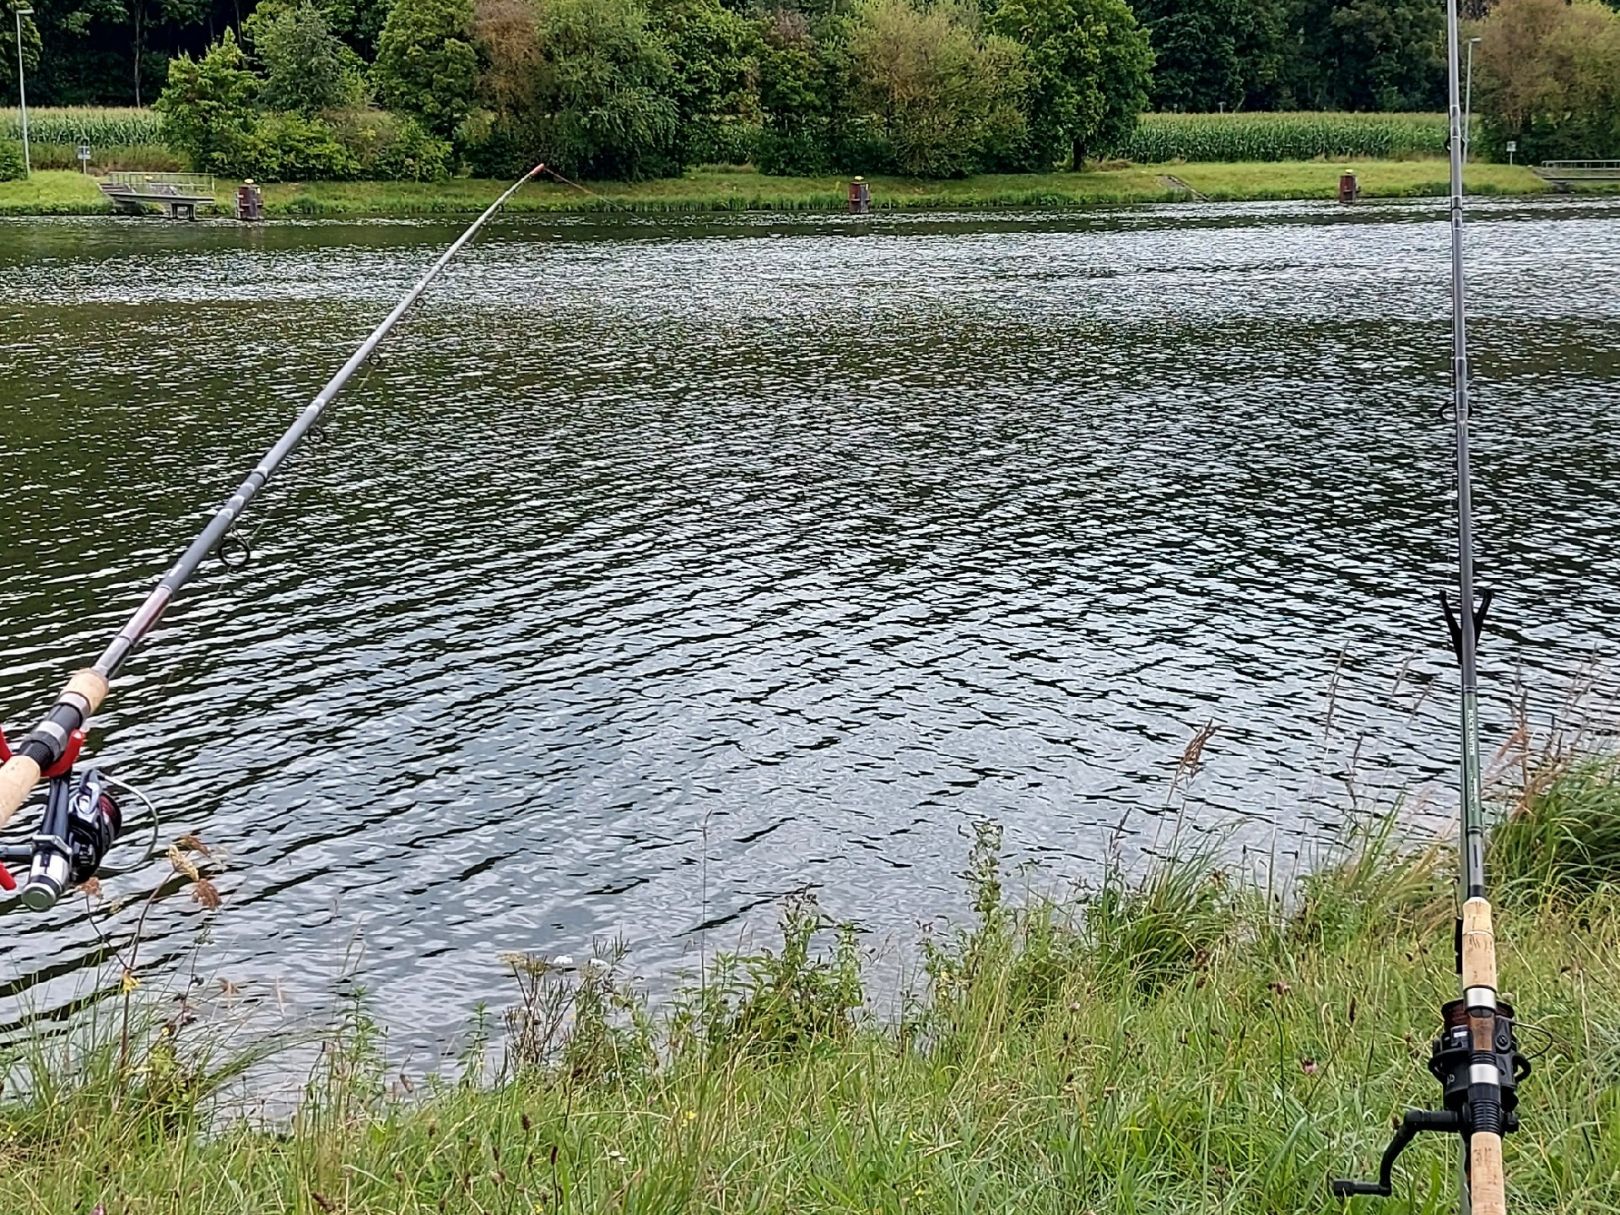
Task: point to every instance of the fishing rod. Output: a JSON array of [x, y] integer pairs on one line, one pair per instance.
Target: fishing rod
[[82, 820], [1476, 1058]]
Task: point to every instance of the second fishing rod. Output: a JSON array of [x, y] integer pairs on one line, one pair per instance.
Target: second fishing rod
[[1476, 1056], [82, 820]]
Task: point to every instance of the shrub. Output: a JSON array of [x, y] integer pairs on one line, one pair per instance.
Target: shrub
[[940, 90], [723, 142], [426, 64], [392, 147], [289, 147], [11, 161], [209, 109], [1549, 78]]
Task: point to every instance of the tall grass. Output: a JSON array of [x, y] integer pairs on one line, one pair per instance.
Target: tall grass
[[99, 126], [1284, 136], [1181, 1042]]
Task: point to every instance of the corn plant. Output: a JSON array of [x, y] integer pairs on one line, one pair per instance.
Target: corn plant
[[1284, 136]]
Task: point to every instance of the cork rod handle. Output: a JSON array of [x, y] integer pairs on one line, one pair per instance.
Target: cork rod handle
[[19, 774]]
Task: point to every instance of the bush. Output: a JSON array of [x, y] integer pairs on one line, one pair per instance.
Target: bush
[[723, 142], [426, 64], [1549, 78], [392, 147], [209, 109], [11, 161], [941, 91], [289, 147]]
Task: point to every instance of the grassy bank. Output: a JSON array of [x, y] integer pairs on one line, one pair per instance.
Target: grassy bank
[[1174, 1044], [723, 189]]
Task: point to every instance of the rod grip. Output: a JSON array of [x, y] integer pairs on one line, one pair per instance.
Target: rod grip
[[1478, 945], [89, 684], [18, 776], [1485, 1185]]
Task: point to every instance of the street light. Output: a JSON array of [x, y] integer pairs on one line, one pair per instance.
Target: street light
[[1468, 101], [22, 93]]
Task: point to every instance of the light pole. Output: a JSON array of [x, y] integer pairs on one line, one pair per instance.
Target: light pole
[[1468, 101], [22, 92]]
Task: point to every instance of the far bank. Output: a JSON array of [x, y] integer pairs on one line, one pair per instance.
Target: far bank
[[743, 189]]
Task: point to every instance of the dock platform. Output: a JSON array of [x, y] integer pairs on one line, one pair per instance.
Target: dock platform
[[177, 195], [1566, 173]]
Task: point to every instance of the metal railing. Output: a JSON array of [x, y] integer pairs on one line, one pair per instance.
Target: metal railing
[[1580, 170], [158, 185]]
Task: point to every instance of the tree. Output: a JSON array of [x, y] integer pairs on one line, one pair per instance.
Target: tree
[[606, 105], [945, 94], [1089, 65], [1213, 54], [715, 53], [307, 68], [1547, 75], [426, 64], [8, 55], [209, 108]]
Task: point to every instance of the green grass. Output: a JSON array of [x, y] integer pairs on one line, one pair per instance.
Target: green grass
[[1175, 1044], [738, 189], [1285, 136]]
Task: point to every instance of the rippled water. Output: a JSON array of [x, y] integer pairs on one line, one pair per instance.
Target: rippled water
[[661, 568]]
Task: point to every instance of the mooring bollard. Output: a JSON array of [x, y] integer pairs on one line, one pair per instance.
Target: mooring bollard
[[1349, 188], [860, 197], [249, 202]]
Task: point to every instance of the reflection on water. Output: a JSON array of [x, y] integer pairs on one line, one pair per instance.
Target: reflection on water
[[796, 546]]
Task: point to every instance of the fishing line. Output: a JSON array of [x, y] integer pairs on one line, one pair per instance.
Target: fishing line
[[81, 819]]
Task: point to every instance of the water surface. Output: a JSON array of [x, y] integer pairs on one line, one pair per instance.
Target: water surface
[[660, 568]]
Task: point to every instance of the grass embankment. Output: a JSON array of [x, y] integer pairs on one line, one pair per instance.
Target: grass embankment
[[723, 189], [1180, 1044]]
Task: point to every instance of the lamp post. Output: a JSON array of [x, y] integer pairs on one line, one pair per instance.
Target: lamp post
[[1468, 101], [22, 92]]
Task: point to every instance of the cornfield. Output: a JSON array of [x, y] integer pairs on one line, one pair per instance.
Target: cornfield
[[1284, 136], [100, 127]]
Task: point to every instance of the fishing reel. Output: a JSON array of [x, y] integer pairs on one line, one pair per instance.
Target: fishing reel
[[82, 820], [1451, 1056]]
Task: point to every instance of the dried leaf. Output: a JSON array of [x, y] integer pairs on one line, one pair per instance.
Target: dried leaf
[[322, 1201], [192, 844], [182, 863], [129, 982], [90, 888], [205, 892]]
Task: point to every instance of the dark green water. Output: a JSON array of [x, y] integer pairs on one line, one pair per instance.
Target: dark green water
[[795, 546]]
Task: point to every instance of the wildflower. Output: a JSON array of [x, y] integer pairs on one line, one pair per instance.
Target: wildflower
[[691, 1115]]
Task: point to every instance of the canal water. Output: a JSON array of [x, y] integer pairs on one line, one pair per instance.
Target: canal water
[[660, 568]]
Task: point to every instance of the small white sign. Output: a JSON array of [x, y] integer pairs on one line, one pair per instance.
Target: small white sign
[[84, 151], [1513, 145]]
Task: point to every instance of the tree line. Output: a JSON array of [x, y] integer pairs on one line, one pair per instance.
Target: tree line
[[637, 88]]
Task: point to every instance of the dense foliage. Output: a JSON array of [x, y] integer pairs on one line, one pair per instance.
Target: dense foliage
[[933, 88], [1549, 78]]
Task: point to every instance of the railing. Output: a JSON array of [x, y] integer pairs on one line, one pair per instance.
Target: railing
[[1580, 170], [162, 184]]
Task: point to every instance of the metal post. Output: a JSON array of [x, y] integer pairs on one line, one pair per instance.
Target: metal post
[[22, 92], [1468, 101]]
